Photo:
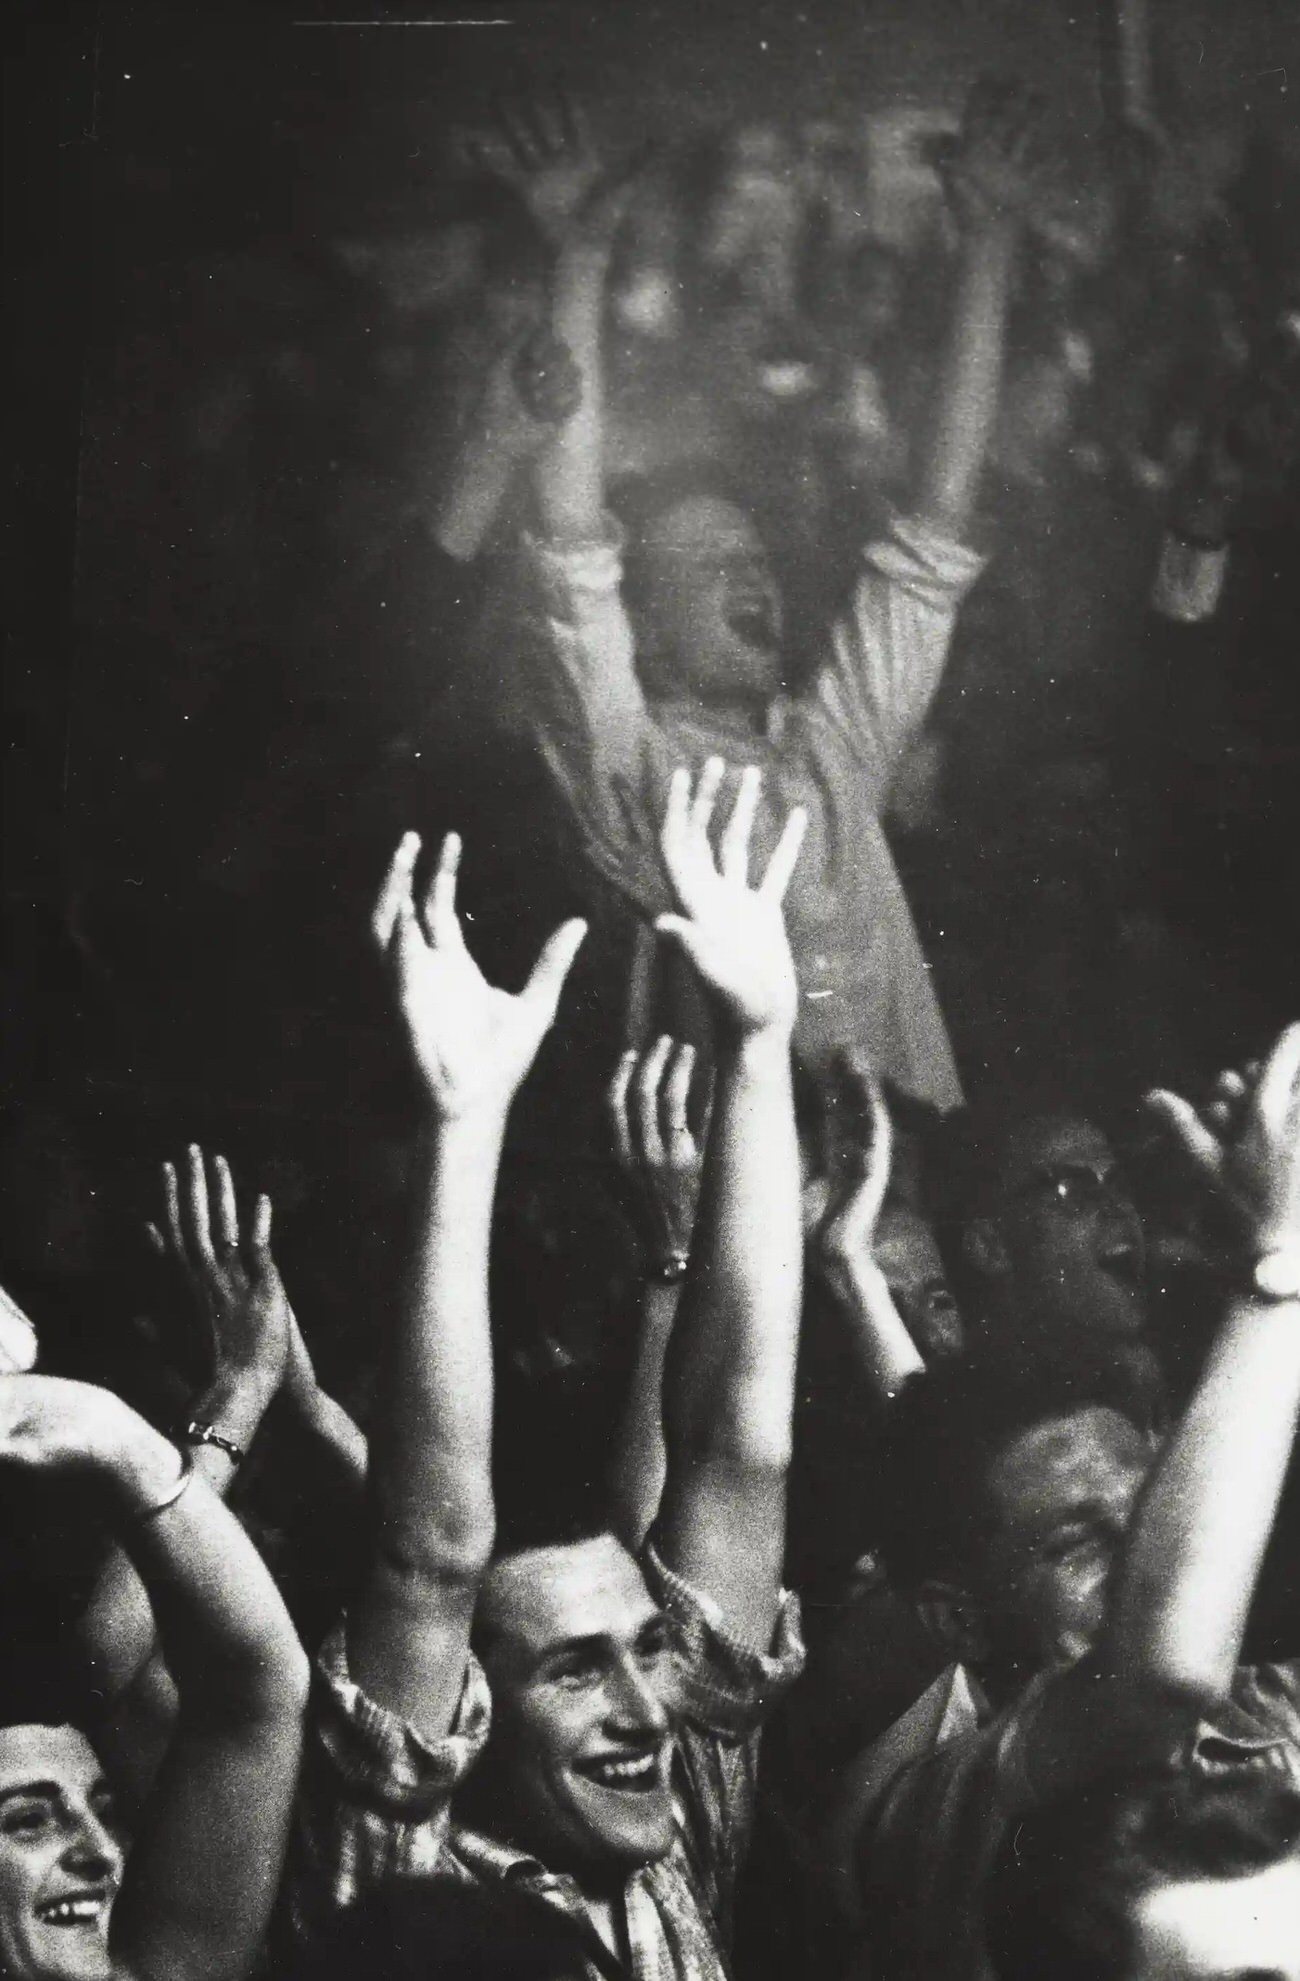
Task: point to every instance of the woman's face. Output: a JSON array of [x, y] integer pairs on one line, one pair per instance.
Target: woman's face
[[60, 1856]]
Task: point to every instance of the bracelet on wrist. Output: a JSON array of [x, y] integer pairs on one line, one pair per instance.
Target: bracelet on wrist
[[197, 1432], [668, 1268], [169, 1499]]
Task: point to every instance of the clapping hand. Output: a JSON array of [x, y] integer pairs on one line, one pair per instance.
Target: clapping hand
[[1245, 1143], [472, 1044]]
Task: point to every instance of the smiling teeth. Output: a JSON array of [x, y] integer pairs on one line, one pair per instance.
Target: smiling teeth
[[73, 1911], [626, 1771]]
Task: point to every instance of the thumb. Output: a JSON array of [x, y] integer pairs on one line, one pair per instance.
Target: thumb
[[1182, 1118], [553, 965]]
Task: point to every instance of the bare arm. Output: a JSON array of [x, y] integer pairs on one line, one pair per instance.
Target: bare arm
[[661, 1161], [430, 1475], [989, 183], [729, 1377], [1187, 1577], [845, 1244], [531, 387], [205, 1865]]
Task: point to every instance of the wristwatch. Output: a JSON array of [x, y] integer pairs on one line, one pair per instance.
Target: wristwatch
[[1275, 1275]]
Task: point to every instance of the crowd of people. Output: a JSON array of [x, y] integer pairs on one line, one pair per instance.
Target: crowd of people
[[916, 1595]]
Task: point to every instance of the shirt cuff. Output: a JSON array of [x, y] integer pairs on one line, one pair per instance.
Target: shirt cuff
[[381, 1757], [566, 569], [729, 1687], [917, 553]]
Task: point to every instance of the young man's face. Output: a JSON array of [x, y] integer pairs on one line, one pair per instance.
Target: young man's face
[[584, 1686], [60, 1859], [906, 1252], [1066, 1233], [713, 601], [1221, 1929], [1061, 1496]]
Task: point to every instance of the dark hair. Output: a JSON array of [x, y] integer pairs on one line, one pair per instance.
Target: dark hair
[[970, 1148], [949, 1424], [1060, 1894], [415, 1928]]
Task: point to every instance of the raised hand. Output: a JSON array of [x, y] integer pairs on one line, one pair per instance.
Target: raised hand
[[1246, 1143], [995, 169], [733, 933], [860, 1173], [229, 1268], [545, 151], [472, 1044], [660, 1157]]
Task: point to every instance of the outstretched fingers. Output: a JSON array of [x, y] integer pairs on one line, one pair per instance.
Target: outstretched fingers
[[440, 920], [1200, 1143], [647, 1102], [616, 1107], [395, 897], [785, 855], [733, 853], [552, 967]]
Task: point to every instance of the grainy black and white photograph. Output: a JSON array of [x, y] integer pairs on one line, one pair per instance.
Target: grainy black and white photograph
[[650, 1181]]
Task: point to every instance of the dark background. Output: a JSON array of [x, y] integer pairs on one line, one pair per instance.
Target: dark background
[[225, 650]]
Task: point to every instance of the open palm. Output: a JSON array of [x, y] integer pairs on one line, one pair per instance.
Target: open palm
[[472, 1044], [733, 933]]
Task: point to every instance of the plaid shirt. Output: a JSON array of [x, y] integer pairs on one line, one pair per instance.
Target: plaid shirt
[[376, 1799], [833, 750]]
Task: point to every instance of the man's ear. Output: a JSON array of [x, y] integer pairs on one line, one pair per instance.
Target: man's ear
[[983, 1248], [955, 1621]]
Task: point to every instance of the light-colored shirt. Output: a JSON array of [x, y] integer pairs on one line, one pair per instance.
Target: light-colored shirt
[[927, 1833], [376, 1800], [863, 978]]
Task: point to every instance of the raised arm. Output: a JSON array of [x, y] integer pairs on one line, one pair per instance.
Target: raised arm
[[205, 1864], [661, 1159], [729, 1376], [470, 1047], [531, 387], [1185, 1582], [990, 181], [846, 1252]]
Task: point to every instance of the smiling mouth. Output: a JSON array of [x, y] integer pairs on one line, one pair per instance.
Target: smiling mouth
[[85, 1910], [634, 1774]]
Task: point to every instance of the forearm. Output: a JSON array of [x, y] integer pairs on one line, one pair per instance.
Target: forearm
[[885, 1350], [1190, 1570], [474, 492], [431, 1471], [729, 1382], [637, 1480], [570, 467], [967, 398], [339, 1435]]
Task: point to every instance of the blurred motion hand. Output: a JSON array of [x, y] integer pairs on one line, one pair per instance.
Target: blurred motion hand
[[472, 1044], [1245, 1142], [995, 170], [545, 151], [860, 1168]]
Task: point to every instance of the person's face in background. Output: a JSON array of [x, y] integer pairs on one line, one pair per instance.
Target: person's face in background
[[1061, 1247], [1061, 1497], [906, 1252], [712, 602], [60, 1856]]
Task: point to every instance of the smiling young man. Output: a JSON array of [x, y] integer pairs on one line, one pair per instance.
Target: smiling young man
[[560, 1714], [1092, 1584]]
